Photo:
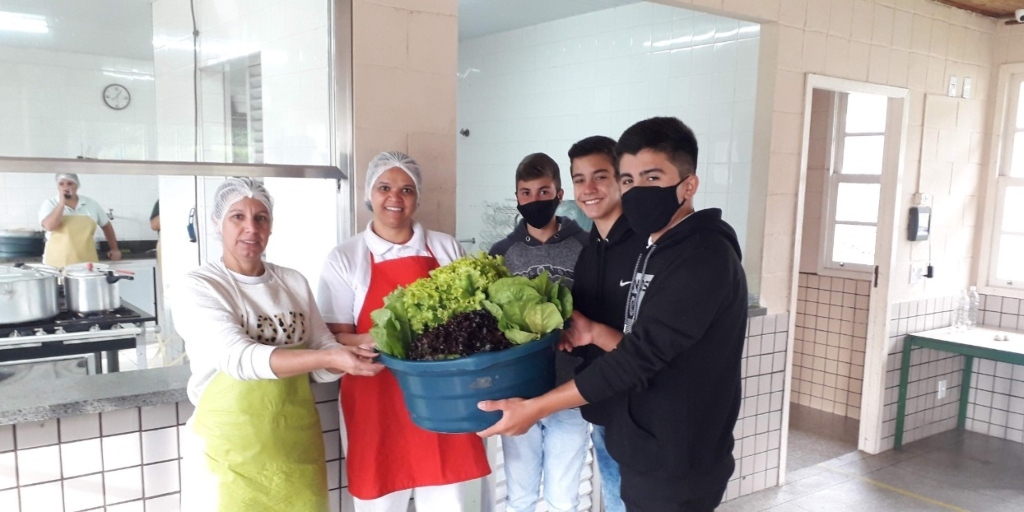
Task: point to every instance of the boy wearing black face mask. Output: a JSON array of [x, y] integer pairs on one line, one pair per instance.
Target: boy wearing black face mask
[[556, 448], [673, 372]]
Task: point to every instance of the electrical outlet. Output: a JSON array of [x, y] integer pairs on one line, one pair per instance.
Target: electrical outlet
[[922, 199], [942, 389], [917, 271], [952, 86]]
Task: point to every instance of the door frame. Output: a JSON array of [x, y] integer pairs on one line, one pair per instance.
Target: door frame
[[873, 388]]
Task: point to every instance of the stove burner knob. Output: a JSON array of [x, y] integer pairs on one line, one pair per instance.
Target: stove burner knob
[[94, 328], [14, 334], [59, 330], [40, 331], [116, 326]]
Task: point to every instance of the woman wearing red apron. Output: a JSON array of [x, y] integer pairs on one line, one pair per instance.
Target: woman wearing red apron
[[388, 458]]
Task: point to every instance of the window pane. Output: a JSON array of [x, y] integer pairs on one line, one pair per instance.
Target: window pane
[[865, 113], [1020, 106], [1017, 158], [857, 202], [1013, 211], [1010, 249], [854, 244], [863, 154]]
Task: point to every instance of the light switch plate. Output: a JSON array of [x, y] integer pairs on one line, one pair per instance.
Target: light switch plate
[[952, 86], [966, 89]]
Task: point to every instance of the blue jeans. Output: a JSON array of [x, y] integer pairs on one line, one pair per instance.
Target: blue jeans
[[554, 448], [611, 481]]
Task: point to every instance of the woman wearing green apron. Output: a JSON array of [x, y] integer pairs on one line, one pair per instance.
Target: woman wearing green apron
[[254, 336], [70, 222]]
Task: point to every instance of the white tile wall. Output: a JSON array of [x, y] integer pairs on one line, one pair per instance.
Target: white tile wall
[[542, 88], [758, 430], [925, 414], [996, 401], [55, 107], [134, 466], [830, 339]]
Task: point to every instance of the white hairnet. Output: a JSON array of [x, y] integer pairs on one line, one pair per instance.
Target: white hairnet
[[234, 190], [389, 160], [67, 176]]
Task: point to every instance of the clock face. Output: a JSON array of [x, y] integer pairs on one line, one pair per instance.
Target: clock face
[[116, 96]]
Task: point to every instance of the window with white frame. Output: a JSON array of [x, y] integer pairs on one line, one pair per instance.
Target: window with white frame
[[1007, 265], [854, 186]]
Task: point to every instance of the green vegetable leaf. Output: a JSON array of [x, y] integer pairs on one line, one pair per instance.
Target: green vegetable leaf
[[519, 337], [565, 301], [543, 318], [387, 333]]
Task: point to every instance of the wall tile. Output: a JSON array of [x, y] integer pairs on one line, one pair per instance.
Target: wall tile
[[76, 428], [8, 470], [160, 478], [121, 451], [119, 422], [83, 493], [9, 500], [38, 433], [168, 503], [38, 465], [159, 445], [131, 506], [159, 416], [123, 485], [81, 457], [6, 438], [44, 497]]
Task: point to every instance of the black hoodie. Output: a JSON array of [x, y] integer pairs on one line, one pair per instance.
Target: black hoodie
[[526, 256], [603, 274], [675, 376]]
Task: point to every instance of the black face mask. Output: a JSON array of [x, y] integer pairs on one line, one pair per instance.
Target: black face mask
[[538, 213], [649, 209]]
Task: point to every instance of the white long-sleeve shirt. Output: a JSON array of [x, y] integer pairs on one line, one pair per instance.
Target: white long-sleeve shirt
[[345, 278], [232, 323]]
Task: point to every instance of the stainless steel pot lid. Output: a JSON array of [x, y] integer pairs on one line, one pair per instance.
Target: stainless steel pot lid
[[13, 274], [22, 233]]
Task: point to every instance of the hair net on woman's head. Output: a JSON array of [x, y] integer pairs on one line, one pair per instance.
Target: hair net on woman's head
[[67, 176], [234, 190], [389, 160]]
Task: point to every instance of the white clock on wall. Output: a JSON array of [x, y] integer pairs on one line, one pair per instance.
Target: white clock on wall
[[116, 96]]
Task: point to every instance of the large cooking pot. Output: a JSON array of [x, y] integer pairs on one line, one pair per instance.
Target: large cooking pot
[[21, 243], [27, 295], [93, 291]]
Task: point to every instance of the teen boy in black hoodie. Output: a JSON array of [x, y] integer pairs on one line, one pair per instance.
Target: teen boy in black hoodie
[[603, 273], [674, 370]]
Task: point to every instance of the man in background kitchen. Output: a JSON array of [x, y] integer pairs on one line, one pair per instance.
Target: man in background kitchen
[[674, 370], [70, 221], [556, 448], [603, 273]]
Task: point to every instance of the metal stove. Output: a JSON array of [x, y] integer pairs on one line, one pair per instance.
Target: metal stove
[[74, 333]]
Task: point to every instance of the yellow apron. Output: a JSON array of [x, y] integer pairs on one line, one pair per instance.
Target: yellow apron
[[72, 242], [264, 444]]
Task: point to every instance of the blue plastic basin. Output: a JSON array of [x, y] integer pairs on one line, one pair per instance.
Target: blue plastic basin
[[442, 396]]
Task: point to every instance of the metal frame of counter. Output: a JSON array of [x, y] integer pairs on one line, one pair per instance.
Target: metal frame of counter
[[977, 342], [74, 396]]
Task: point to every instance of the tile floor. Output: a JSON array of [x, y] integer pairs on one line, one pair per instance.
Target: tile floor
[[816, 436], [955, 470]]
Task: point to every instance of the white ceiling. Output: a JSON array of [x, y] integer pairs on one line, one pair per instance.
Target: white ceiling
[[118, 28], [479, 18]]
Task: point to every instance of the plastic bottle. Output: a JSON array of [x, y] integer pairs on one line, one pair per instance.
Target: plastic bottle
[[975, 302], [961, 314]]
